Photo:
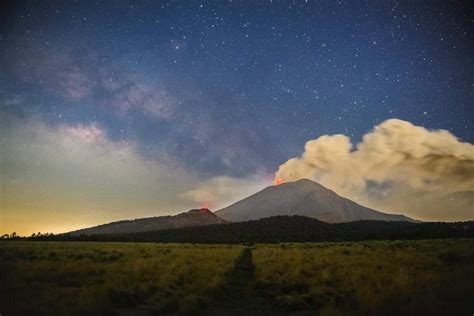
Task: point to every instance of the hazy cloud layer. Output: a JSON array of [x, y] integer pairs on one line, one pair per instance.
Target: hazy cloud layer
[[220, 191], [398, 167], [62, 177], [76, 174]]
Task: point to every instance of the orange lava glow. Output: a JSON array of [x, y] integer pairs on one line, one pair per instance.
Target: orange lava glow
[[278, 181], [204, 205]]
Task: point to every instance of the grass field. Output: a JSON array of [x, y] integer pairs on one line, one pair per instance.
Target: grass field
[[371, 278], [107, 278], [431, 277]]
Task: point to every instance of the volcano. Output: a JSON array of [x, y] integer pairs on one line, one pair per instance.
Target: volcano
[[195, 217], [305, 198]]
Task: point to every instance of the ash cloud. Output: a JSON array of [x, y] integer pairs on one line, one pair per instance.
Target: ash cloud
[[398, 167]]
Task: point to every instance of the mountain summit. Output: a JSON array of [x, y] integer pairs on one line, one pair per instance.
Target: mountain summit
[[303, 197], [195, 217]]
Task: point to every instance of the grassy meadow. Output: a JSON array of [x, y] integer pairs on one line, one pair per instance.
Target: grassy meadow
[[426, 277], [109, 278]]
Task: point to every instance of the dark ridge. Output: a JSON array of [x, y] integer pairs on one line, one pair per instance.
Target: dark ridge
[[288, 229]]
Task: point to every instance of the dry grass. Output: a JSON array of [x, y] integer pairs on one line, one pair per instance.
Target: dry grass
[[432, 277], [85, 278], [370, 278]]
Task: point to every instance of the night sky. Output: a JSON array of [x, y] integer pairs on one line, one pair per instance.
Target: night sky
[[124, 109]]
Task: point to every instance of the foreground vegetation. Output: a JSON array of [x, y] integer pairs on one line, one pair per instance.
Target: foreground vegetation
[[108, 278], [427, 277], [424, 277]]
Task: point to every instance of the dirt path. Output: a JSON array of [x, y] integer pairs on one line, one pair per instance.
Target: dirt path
[[239, 296]]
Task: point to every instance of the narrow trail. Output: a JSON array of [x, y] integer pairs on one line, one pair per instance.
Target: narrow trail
[[239, 296]]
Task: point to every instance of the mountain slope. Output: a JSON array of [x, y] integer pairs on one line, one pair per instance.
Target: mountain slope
[[303, 197], [197, 217]]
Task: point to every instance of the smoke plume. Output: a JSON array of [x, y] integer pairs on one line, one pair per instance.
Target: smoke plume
[[398, 167]]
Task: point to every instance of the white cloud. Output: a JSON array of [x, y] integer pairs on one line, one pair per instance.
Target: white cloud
[[398, 167]]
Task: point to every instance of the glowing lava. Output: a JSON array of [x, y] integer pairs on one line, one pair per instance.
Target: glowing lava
[[204, 205], [278, 181]]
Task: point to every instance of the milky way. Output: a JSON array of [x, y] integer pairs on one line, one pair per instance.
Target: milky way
[[189, 94]]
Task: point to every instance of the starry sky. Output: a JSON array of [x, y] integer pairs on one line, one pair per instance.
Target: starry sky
[[120, 109]]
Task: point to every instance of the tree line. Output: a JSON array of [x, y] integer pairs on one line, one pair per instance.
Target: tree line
[[282, 229]]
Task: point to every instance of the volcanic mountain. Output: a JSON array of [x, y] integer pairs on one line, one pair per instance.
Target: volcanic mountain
[[305, 198], [196, 217]]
